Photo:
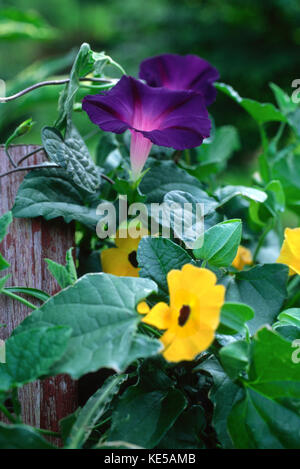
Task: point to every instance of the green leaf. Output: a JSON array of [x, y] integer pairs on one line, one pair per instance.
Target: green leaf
[[234, 358], [225, 194], [35, 292], [283, 100], [108, 154], [21, 437], [71, 153], [21, 130], [221, 243], [82, 65], [146, 411], [257, 422], [100, 309], [261, 112], [263, 288], [276, 198], [156, 257], [3, 281], [5, 221], [233, 318], [50, 193], [31, 354], [16, 24], [65, 275], [224, 394], [166, 176], [186, 431], [268, 417], [290, 316], [2, 351], [184, 214], [213, 156], [287, 170], [92, 411], [272, 371]]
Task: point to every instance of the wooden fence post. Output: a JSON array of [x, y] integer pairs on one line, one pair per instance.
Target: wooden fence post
[[28, 242]]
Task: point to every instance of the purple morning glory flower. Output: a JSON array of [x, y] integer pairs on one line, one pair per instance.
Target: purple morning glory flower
[[181, 72], [176, 119]]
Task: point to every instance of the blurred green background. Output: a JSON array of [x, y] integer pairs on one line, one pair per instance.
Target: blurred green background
[[251, 42]]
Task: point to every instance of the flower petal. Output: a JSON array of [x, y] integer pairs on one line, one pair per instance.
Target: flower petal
[[115, 261], [186, 348], [290, 250], [176, 119], [143, 308], [177, 72], [159, 316], [243, 257]]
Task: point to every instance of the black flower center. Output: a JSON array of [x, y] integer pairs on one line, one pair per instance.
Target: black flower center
[[184, 314], [132, 259]]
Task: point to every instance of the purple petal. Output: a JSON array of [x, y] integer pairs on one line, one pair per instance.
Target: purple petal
[[177, 72], [177, 119]]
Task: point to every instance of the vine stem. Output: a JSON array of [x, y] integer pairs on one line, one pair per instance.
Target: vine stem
[[48, 432], [262, 239], [42, 166], [18, 298], [6, 99], [7, 414], [29, 154], [27, 168]]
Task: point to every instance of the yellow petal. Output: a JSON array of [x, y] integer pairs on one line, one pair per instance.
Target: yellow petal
[[242, 258], [127, 243], [290, 250], [178, 348], [159, 316], [143, 308], [115, 261]]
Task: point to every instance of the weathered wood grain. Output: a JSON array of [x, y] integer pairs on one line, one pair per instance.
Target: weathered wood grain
[[25, 247]]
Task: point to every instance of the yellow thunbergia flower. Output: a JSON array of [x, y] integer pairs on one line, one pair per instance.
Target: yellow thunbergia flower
[[122, 260], [193, 315], [243, 257], [290, 250]]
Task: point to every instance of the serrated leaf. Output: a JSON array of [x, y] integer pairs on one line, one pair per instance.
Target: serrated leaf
[[221, 243], [65, 275], [50, 193], [92, 411], [31, 354], [101, 311], [71, 153]]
